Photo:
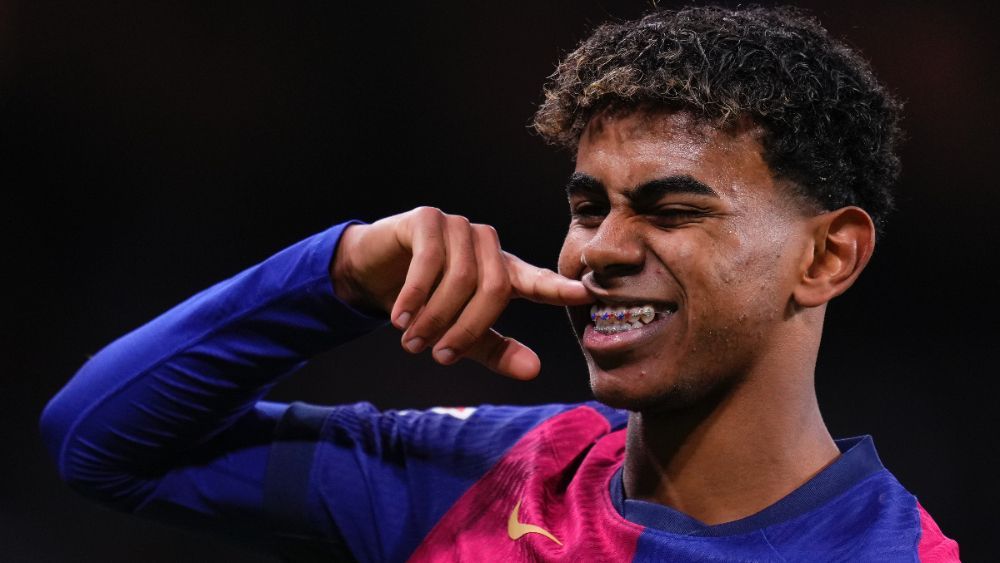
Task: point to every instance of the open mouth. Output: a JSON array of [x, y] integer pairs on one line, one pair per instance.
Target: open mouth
[[608, 319]]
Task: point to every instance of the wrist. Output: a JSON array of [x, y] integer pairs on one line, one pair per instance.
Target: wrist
[[343, 268]]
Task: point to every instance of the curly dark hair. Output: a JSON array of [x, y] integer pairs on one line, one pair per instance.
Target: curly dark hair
[[829, 126]]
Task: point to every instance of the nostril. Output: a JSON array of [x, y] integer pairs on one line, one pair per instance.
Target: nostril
[[614, 260], [617, 270]]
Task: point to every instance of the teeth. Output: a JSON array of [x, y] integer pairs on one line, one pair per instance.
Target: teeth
[[612, 320]]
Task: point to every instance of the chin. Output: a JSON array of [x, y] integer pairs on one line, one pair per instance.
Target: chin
[[639, 393]]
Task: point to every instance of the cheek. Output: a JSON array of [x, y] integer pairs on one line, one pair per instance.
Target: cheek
[[750, 285], [700, 265], [725, 277]]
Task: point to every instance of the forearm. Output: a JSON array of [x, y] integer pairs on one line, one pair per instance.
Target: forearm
[[191, 373]]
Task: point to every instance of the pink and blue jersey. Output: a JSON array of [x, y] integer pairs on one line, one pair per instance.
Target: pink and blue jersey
[[169, 422]]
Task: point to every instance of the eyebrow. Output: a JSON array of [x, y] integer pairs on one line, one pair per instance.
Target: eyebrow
[[581, 184]]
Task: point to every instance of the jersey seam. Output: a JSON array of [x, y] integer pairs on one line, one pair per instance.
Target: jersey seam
[[920, 529], [317, 464], [763, 535]]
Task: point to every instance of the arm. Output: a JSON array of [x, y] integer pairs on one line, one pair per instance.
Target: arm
[[145, 417], [168, 420]]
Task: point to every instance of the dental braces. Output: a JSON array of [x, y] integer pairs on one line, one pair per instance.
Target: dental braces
[[644, 314]]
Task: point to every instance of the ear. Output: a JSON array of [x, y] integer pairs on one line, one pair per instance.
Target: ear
[[843, 242]]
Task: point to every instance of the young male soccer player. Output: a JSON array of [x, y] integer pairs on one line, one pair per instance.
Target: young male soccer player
[[731, 173]]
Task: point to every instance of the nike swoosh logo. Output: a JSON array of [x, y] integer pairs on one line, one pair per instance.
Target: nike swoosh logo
[[516, 529]]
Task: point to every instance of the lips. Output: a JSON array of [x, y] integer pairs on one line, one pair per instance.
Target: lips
[[618, 324]]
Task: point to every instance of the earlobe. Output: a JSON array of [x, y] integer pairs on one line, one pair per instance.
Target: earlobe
[[843, 242]]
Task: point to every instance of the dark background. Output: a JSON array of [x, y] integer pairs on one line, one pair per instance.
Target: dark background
[[149, 149]]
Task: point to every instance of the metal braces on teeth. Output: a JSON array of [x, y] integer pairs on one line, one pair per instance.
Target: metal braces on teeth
[[609, 320]]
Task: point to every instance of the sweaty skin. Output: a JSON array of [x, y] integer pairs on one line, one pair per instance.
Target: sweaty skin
[[725, 420]]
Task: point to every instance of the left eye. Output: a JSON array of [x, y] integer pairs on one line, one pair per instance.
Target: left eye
[[675, 215]]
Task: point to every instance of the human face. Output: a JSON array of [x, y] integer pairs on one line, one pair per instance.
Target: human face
[[671, 213]]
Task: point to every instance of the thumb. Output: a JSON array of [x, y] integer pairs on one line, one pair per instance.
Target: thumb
[[505, 356]]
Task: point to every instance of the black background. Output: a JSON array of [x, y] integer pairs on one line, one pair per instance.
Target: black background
[[149, 149]]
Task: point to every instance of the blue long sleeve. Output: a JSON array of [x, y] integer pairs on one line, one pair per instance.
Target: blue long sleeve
[[172, 413]]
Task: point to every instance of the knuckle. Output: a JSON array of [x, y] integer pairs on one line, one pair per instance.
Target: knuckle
[[463, 338], [459, 221], [432, 253], [542, 276], [413, 292], [435, 253], [486, 230], [495, 287], [427, 210], [428, 213], [434, 321], [471, 334], [464, 276]]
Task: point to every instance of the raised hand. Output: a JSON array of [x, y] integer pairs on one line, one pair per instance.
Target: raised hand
[[444, 281]]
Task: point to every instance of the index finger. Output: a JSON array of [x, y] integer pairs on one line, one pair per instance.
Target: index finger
[[542, 285]]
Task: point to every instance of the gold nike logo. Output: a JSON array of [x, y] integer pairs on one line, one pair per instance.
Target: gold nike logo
[[516, 529]]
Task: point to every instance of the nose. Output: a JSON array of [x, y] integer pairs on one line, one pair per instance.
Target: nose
[[615, 250]]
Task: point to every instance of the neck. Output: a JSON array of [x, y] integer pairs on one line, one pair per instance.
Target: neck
[[733, 454]]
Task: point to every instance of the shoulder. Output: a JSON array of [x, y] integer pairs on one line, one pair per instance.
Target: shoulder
[[897, 514], [877, 518], [934, 546], [855, 509], [498, 424]]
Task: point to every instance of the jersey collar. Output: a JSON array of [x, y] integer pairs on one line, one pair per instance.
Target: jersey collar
[[857, 461]]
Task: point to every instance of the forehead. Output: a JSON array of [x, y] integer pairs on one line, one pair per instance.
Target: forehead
[[627, 150]]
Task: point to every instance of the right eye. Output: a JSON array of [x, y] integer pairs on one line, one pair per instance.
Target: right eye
[[588, 212]]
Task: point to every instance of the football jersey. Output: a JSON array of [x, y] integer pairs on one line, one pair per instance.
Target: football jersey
[[544, 484], [169, 422]]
